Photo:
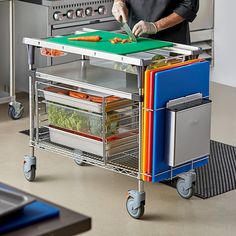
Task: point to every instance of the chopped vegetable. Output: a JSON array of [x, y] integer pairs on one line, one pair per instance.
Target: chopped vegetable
[[119, 40], [92, 98], [86, 38], [82, 122], [95, 99], [158, 57], [78, 95], [157, 62], [125, 67], [57, 90], [51, 52]]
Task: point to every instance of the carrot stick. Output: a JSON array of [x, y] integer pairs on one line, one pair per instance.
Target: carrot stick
[[78, 95], [86, 38]]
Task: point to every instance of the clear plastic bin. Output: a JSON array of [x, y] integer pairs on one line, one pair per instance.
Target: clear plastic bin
[[80, 121]]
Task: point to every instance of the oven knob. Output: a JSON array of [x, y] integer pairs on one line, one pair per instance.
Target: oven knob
[[58, 16], [71, 14], [89, 11], [80, 12], [101, 10]]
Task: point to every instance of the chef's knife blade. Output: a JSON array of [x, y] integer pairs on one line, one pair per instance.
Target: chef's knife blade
[[127, 29]]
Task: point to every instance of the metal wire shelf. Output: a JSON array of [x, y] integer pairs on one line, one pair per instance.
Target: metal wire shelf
[[125, 163]]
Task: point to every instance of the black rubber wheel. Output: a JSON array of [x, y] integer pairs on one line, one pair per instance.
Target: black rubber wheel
[[30, 176], [79, 162], [13, 114], [134, 213], [184, 193]]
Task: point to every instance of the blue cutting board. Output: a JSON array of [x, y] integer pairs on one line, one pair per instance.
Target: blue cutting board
[[30, 214], [172, 84]]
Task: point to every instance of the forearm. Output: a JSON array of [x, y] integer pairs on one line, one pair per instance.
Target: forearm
[[169, 21]]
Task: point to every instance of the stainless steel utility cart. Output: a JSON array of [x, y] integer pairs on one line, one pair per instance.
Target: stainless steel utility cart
[[115, 122]]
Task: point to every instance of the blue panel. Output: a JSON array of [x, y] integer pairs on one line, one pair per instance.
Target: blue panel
[[169, 85], [32, 213], [182, 81], [179, 170]]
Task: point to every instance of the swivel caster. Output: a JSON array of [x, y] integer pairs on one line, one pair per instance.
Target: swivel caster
[[29, 168], [15, 110], [79, 162], [135, 204], [186, 184], [78, 158]]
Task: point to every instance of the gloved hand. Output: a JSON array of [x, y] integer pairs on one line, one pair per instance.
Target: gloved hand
[[120, 11], [143, 27]]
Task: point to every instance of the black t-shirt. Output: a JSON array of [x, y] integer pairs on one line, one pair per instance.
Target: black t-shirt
[[154, 10]]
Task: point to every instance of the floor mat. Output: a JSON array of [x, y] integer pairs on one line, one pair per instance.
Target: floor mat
[[218, 177], [43, 132]]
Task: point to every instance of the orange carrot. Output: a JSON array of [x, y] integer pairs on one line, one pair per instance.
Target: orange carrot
[[78, 95], [86, 38]]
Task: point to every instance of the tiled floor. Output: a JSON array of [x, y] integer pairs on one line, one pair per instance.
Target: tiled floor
[[102, 194]]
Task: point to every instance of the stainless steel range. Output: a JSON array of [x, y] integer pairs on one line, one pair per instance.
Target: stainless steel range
[[68, 11], [46, 18]]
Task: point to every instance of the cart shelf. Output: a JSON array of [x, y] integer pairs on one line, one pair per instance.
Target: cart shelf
[[84, 75], [125, 163]]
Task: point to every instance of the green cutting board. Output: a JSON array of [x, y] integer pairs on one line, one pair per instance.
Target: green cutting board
[[105, 45]]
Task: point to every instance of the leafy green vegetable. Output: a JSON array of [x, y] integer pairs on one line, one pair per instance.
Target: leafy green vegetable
[[158, 57], [82, 122]]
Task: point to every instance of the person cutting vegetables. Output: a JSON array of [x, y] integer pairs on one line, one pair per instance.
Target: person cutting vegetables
[[166, 20]]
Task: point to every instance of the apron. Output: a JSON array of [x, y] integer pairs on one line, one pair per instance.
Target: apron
[[154, 10]]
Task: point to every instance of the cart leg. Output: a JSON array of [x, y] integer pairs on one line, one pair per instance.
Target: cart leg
[[29, 167], [185, 184], [136, 199]]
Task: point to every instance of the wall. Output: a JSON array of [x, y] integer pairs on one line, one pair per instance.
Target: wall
[[225, 43]]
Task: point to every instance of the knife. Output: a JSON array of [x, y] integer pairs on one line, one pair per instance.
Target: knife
[[127, 29]]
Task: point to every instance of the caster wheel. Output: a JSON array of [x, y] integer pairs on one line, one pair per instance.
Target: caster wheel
[[16, 111], [30, 175], [135, 213], [79, 162], [78, 158], [182, 191]]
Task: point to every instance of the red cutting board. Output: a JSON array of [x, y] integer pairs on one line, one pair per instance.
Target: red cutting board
[[145, 132], [150, 106]]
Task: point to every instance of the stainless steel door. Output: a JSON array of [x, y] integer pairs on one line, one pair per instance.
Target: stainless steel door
[[30, 21], [5, 44], [205, 16]]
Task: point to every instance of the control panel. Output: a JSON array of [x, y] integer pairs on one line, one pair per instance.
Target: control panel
[[84, 10]]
